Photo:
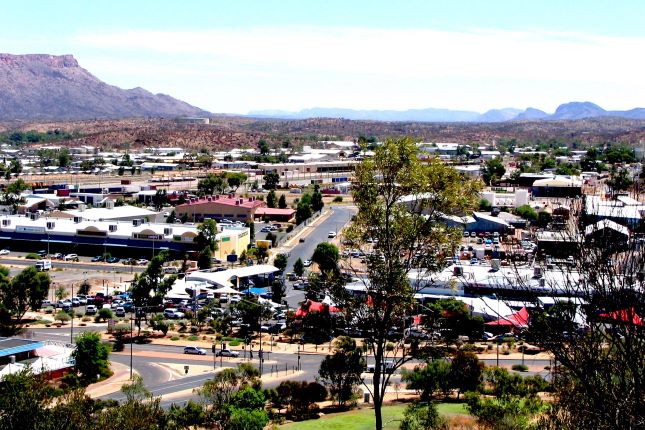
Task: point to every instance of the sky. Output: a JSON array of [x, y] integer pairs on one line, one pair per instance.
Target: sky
[[240, 56]]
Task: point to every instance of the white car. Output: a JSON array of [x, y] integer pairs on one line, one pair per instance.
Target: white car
[[331, 235], [4, 252], [70, 257], [142, 262], [307, 263]]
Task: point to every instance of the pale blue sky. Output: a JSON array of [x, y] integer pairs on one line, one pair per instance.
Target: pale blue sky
[[236, 56]]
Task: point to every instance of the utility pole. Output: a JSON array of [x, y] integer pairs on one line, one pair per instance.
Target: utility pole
[[71, 333], [134, 309]]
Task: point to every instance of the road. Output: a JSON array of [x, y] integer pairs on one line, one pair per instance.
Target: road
[[81, 265]]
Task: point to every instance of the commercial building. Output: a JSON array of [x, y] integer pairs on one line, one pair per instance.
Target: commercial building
[[135, 238], [218, 207]]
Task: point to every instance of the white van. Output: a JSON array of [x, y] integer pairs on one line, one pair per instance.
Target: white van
[[43, 265]]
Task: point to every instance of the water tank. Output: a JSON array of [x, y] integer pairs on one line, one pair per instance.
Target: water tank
[[495, 263]]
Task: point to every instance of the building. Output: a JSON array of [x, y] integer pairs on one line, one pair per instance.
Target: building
[[220, 207], [558, 186], [111, 213], [626, 212], [275, 214]]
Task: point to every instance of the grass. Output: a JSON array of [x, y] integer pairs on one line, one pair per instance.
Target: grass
[[363, 419]]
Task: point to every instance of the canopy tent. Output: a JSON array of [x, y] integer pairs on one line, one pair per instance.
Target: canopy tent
[[226, 290], [11, 368], [518, 319], [312, 306], [628, 316]]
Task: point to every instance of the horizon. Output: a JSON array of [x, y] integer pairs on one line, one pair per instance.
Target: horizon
[[285, 56]]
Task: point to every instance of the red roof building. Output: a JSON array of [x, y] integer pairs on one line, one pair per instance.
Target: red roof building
[[218, 207]]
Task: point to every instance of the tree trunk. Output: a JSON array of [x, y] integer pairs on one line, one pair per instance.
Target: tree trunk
[[378, 399]]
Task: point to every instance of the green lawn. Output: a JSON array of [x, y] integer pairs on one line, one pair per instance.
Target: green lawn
[[363, 419]]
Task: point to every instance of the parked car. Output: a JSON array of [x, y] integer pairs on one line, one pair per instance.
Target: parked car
[[307, 263], [46, 304], [97, 259], [331, 235], [170, 269], [388, 366], [42, 253], [120, 311], [194, 350], [142, 262], [75, 302], [173, 313], [4, 251], [112, 260], [90, 310], [227, 353]]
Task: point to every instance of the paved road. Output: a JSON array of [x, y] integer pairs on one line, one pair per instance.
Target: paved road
[[57, 264]]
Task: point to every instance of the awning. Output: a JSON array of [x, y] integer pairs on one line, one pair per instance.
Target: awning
[[519, 319], [628, 316]]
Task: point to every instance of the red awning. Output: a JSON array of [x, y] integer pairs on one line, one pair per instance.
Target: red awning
[[628, 315], [518, 319], [312, 306]]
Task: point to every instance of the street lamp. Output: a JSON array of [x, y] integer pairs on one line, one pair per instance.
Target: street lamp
[[71, 333], [134, 309]]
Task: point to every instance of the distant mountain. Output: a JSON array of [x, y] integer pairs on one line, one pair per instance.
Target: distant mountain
[[48, 87], [567, 111]]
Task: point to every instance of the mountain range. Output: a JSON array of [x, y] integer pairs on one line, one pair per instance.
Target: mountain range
[[55, 87], [567, 111]]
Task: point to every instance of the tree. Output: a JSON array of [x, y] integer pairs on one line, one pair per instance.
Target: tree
[[25, 291], [299, 267], [64, 158], [466, 371], [303, 211], [91, 356], [326, 257], [205, 258], [212, 184], [299, 397], [105, 314], [278, 290], [493, 170], [282, 202], [600, 378], [235, 179], [12, 194], [263, 147], [422, 416], [394, 222], [341, 372], [316, 200], [271, 180], [160, 199], [24, 398], [280, 262], [620, 180], [207, 236], [430, 379], [149, 287], [271, 199], [526, 212]]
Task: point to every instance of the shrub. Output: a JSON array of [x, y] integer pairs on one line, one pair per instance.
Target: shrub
[[79, 314], [174, 338], [520, 367], [49, 310], [289, 228], [32, 256], [234, 343], [194, 329], [86, 319], [62, 316], [193, 338]]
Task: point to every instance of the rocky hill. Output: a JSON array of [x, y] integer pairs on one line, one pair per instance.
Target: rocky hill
[[50, 87]]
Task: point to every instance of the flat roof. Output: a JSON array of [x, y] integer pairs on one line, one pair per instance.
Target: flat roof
[[225, 201], [274, 211], [12, 346]]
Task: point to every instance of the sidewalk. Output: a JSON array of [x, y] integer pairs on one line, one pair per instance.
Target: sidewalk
[[112, 384]]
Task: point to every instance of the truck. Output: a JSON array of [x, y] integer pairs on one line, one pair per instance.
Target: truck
[[43, 265]]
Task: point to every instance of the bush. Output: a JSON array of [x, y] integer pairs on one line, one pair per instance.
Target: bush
[[234, 343], [338, 199], [32, 256], [520, 367], [289, 228], [104, 314], [422, 416], [174, 338], [193, 338], [79, 314]]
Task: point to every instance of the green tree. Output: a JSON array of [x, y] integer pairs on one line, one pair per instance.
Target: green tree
[[303, 211], [12, 194], [280, 262], [212, 184], [278, 290], [526, 212], [24, 398], [91, 356], [105, 314], [282, 202], [149, 287], [271, 202], [299, 267], [316, 200], [25, 291], [207, 235], [620, 180], [326, 257], [235, 179], [341, 371], [466, 371], [271, 180], [392, 222], [429, 380], [64, 158], [160, 199], [263, 147], [422, 416], [493, 170], [205, 258]]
